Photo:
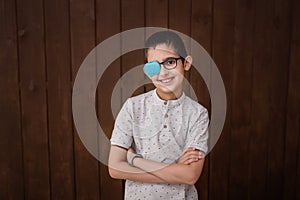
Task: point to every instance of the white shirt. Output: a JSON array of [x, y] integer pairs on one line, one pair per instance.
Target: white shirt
[[160, 130]]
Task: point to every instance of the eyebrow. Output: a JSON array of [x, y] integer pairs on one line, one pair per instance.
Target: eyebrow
[[167, 59], [161, 61]]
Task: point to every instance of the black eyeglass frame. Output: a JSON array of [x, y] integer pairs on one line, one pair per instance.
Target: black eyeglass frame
[[176, 59]]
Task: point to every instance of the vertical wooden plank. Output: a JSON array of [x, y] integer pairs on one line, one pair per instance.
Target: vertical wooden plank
[[153, 19], [292, 131], [180, 20], [11, 162], [156, 13], [106, 27], [33, 95], [201, 31], [241, 97], [222, 51], [278, 76], [59, 99], [201, 23], [261, 126], [133, 16], [180, 16], [82, 19]]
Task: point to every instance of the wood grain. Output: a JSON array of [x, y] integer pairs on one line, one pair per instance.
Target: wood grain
[[82, 23], [11, 157], [108, 24], [58, 59]]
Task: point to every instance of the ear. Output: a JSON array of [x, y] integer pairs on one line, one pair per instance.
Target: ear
[[188, 63]]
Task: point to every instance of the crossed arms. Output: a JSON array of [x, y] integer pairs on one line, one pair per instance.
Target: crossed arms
[[186, 171]]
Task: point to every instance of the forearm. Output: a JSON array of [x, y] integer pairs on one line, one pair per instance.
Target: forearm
[[171, 173], [123, 170], [150, 171], [120, 169]]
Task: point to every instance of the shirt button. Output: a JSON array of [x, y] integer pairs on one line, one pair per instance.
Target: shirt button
[[165, 103], [165, 126]]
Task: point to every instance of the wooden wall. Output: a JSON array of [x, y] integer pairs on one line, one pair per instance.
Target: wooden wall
[[255, 44]]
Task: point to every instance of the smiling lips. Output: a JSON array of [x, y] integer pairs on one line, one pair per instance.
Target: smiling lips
[[166, 80]]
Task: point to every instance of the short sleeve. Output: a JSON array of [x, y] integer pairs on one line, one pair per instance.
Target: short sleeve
[[122, 132], [198, 133]]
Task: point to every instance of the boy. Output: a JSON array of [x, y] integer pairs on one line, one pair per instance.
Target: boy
[[160, 137]]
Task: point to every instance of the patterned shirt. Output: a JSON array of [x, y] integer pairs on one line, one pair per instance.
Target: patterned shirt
[[160, 130]]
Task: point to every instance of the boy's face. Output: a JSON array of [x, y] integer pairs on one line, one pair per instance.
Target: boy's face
[[169, 83]]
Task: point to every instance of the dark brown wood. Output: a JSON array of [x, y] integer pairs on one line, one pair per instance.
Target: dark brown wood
[[33, 99], [276, 105], [261, 126], [82, 19], [292, 131], [132, 17], [241, 96], [222, 52], [156, 13], [11, 159], [108, 24], [201, 23], [180, 16], [59, 99]]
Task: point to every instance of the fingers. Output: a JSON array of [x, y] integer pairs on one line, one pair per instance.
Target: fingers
[[188, 150], [195, 153], [190, 160], [190, 155]]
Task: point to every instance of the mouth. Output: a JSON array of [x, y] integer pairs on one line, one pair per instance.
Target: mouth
[[166, 80]]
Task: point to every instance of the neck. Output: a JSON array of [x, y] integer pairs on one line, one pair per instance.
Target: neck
[[168, 95]]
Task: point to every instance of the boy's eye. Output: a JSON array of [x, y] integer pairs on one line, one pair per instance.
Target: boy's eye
[[170, 61]]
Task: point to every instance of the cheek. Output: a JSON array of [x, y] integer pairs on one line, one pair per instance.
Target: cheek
[[153, 78], [179, 71]]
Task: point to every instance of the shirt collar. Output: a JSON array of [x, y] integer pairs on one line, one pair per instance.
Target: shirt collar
[[168, 103]]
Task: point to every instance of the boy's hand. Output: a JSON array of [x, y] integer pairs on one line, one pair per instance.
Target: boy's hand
[[190, 155]]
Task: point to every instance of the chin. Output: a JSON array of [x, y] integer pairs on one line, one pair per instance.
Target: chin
[[169, 90], [164, 90]]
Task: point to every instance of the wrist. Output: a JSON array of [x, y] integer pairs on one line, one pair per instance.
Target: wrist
[[132, 157], [135, 161]]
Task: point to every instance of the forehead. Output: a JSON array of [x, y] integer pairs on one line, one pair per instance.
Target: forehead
[[161, 52]]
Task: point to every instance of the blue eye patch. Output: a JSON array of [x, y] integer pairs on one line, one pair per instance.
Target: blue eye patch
[[152, 68]]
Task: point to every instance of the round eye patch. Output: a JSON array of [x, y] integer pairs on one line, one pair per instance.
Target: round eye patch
[[152, 68]]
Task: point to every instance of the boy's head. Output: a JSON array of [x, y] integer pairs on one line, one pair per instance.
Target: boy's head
[[167, 60], [170, 39]]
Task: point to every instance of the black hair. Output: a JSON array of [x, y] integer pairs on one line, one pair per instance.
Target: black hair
[[169, 38]]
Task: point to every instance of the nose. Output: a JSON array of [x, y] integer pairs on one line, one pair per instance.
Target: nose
[[163, 71]]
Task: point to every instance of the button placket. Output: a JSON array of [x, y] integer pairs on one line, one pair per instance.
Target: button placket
[[165, 108]]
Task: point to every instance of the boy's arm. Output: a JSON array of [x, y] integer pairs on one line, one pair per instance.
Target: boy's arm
[[120, 169], [172, 173]]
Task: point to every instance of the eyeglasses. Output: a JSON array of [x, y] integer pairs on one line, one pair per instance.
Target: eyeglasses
[[153, 68], [170, 63]]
